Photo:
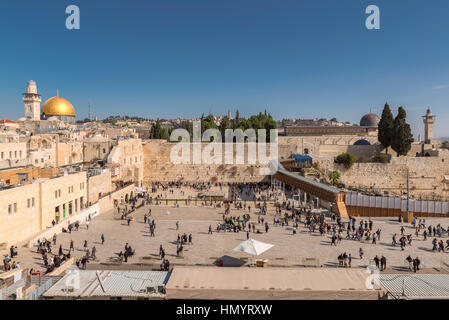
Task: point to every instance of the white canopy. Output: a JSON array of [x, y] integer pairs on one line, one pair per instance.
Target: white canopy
[[253, 247]]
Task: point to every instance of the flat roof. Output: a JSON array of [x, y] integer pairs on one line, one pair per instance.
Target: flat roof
[[416, 286], [113, 284], [247, 283]]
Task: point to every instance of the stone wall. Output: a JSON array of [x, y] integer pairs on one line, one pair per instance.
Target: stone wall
[[426, 175], [107, 202], [98, 185], [158, 167], [324, 146]]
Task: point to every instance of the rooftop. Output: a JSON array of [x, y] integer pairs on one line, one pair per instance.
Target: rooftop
[[93, 283]]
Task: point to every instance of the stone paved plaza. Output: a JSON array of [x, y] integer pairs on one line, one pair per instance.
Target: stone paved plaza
[[288, 250]]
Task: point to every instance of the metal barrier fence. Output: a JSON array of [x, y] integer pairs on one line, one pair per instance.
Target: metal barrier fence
[[423, 206], [36, 294]]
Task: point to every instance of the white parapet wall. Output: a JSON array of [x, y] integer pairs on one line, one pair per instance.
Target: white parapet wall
[[93, 211]]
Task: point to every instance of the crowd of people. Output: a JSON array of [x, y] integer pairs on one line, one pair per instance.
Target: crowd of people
[[255, 217]]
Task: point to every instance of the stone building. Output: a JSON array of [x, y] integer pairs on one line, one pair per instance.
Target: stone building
[[368, 128], [126, 161], [13, 154], [28, 209], [69, 153], [96, 148]]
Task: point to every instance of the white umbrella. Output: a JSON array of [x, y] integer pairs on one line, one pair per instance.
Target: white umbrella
[[253, 247]]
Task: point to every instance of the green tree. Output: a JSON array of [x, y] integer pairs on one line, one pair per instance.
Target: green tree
[[386, 128], [156, 130], [225, 123], [334, 176], [402, 136], [346, 159]]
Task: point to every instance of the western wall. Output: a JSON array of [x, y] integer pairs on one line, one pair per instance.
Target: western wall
[[428, 176]]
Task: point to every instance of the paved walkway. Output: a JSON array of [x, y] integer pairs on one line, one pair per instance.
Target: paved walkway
[[288, 250]]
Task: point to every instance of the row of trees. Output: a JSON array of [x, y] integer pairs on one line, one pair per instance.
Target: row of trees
[[159, 132], [256, 122], [395, 132]]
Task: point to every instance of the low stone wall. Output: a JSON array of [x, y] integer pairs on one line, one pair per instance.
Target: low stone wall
[[93, 210], [62, 268]]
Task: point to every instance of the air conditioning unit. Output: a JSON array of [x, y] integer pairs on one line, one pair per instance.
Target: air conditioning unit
[[151, 290]]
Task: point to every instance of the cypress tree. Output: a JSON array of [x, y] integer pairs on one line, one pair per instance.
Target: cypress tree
[[386, 128], [402, 138]]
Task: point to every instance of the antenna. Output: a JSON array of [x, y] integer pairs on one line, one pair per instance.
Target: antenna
[[90, 114]]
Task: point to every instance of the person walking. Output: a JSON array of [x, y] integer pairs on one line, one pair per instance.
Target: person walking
[[71, 246], [94, 251], [102, 238], [383, 263], [376, 261]]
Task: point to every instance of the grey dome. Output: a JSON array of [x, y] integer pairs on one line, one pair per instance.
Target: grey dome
[[369, 120]]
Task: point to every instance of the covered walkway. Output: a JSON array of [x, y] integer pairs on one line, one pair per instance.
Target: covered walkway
[[319, 190]]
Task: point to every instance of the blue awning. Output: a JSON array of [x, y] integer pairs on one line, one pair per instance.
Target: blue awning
[[301, 158]]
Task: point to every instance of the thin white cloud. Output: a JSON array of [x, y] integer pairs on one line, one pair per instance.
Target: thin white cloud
[[442, 86]]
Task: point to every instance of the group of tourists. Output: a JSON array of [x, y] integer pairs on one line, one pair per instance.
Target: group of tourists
[[51, 261], [9, 264]]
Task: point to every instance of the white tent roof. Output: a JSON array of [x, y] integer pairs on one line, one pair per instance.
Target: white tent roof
[[253, 247]]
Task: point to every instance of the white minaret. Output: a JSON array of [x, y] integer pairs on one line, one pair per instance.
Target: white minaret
[[32, 101]]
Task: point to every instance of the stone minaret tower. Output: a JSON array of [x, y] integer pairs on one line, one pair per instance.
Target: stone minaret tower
[[429, 121], [32, 101]]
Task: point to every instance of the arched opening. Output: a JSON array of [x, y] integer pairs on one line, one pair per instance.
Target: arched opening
[[362, 142]]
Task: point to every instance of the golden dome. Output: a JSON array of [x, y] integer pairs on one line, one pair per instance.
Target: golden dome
[[57, 106]]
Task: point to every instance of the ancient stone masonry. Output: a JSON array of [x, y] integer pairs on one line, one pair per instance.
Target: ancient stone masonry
[[427, 176], [158, 167]]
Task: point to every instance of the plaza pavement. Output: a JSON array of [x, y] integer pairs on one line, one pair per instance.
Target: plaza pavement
[[288, 250]]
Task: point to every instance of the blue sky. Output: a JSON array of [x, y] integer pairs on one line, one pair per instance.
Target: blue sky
[[169, 58]]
